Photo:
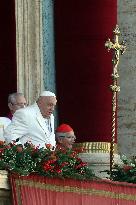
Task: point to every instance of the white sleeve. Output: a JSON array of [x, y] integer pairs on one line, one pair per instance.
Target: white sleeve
[[18, 126], [53, 142]]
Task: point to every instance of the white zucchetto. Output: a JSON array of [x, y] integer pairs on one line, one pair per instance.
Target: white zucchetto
[[47, 93]]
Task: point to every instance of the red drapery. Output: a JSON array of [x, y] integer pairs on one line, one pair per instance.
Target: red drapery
[[8, 81], [36, 190], [84, 67]]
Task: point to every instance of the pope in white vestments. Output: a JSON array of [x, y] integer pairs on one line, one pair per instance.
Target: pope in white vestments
[[34, 123]]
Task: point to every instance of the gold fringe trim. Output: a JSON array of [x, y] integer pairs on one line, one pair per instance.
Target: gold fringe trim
[[96, 147], [75, 190]]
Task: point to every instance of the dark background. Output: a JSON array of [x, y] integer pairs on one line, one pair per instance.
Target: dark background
[[8, 71], [84, 67]]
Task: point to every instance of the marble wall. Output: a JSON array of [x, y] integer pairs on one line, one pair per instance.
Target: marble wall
[[49, 80], [48, 45], [35, 47], [29, 48], [127, 80]]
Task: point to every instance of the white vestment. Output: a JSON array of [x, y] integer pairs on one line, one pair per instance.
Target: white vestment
[[28, 124]]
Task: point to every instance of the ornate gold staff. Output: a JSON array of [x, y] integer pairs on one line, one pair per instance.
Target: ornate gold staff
[[117, 49]]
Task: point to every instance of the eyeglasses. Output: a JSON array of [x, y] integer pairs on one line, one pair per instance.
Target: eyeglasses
[[19, 104], [71, 137]]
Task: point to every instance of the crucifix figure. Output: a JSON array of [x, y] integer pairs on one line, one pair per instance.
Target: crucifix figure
[[117, 50], [116, 47]]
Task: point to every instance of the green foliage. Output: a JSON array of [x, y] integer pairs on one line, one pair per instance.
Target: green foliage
[[28, 159], [125, 172]]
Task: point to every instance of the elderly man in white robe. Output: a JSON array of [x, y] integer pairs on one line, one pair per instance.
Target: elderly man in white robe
[[34, 123]]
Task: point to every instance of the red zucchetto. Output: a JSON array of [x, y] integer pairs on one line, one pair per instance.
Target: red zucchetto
[[64, 128]]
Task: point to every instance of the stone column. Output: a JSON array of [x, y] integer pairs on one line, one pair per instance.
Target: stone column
[[48, 45], [29, 48], [127, 72], [49, 73]]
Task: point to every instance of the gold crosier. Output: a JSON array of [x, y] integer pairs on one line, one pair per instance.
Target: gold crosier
[[117, 50]]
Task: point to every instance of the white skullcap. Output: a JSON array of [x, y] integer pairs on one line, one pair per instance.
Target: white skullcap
[[48, 93]]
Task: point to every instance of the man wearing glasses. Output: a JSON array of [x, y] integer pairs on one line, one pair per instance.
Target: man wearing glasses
[[15, 102], [65, 136]]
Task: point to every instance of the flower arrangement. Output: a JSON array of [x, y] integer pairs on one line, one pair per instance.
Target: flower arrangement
[[28, 159], [124, 172]]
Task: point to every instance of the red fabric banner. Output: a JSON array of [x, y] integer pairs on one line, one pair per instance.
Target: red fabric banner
[[36, 190], [84, 67], [8, 74]]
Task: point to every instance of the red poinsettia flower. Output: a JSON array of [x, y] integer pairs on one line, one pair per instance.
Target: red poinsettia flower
[[19, 148], [79, 149], [48, 146], [28, 158], [127, 168], [1, 143], [49, 165], [82, 164], [1, 150], [59, 171], [64, 164], [73, 154], [7, 147]]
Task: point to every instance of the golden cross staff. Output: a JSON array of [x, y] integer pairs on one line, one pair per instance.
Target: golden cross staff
[[117, 50]]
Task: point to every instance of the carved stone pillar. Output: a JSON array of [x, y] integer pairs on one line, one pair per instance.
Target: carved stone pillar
[[29, 48], [48, 45], [127, 72]]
